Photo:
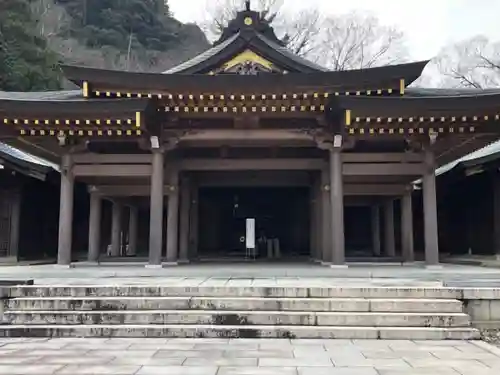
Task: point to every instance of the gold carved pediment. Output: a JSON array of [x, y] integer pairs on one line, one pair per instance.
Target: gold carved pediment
[[247, 62]]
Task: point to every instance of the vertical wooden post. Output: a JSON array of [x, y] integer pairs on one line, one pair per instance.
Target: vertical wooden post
[[407, 228], [315, 248], [193, 222], [173, 219], [430, 211], [156, 209], [390, 245], [95, 227], [326, 220], [496, 212], [66, 212], [376, 230], [116, 229], [15, 222], [132, 230], [184, 220], [337, 207]]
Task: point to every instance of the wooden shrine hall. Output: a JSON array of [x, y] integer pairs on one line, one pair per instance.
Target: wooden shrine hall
[[249, 130]]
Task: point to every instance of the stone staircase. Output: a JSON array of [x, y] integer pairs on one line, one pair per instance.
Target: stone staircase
[[245, 312]]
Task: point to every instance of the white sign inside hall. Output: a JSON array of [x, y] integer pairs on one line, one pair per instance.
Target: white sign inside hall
[[250, 234]]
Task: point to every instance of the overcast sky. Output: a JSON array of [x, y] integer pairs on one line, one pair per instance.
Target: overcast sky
[[428, 24]]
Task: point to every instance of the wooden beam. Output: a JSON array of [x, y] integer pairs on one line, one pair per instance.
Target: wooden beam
[[91, 158], [374, 189], [247, 134], [112, 170], [127, 190], [382, 157], [294, 179], [250, 164], [383, 169]]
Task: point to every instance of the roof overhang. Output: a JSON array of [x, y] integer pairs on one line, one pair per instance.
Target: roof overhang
[[395, 77]]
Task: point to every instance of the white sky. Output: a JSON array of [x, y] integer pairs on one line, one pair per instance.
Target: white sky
[[428, 25]]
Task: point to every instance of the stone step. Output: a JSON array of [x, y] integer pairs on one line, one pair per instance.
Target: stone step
[[278, 291], [238, 318], [211, 331], [235, 303]]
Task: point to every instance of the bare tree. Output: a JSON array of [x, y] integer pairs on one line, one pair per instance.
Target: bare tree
[[296, 30], [356, 41], [220, 12], [300, 31], [339, 42], [473, 63]]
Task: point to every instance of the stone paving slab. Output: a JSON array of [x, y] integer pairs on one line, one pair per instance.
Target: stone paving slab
[[258, 274], [79, 356]]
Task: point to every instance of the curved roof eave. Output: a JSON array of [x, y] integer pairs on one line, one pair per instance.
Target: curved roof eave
[[40, 104], [23, 156], [373, 78], [42, 95], [431, 105]]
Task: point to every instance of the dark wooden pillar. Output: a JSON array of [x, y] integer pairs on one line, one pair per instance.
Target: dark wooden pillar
[[315, 221], [326, 221], [337, 207], [376, 243], [132, 230], [184, 220], [156, 209], [496, 213], [95, 227], [173, 219], [430, 211], [390, 246], [407, 228], [15, 223], [66, 212], [193, 222], [116, 229]]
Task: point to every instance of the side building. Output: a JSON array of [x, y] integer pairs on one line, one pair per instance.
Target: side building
[[29, 191]]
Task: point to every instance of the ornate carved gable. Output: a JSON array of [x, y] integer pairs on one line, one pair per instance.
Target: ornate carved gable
[[248, 63]]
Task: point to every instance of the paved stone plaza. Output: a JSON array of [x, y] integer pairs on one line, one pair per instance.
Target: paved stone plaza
[[75, 356], [144, 356], [258, 274]]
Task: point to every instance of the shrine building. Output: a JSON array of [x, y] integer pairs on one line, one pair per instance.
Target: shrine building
[[249, 130]]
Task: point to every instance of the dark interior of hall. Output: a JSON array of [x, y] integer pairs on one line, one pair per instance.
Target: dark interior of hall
[[281, 213]]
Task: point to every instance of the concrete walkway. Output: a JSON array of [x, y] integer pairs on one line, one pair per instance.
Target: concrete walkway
[[74, 356], [249, 274]]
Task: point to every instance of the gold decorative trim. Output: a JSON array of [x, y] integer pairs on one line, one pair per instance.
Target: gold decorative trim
[[80, 132], [422, 119], [67, 122], [409, 131], [85, 89], [236, 109], [138, 119], [232, 96], [348, 117]]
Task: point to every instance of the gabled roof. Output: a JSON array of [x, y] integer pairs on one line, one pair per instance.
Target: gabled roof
[[258, 43], [25, 163], [248, 31], [488, 154]]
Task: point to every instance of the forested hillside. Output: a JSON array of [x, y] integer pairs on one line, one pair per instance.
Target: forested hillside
[[135, 35], [25, 61]]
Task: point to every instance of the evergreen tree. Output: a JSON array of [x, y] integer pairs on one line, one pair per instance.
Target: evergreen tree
[[25, 62], [111, 22]]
